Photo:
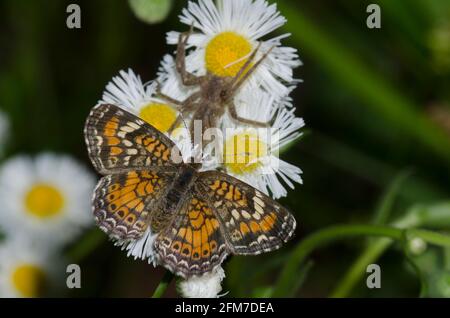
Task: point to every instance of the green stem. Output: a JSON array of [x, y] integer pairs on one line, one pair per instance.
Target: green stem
[[435, 216], [163, 284], [430, 237], [284, 285], [375, 250]]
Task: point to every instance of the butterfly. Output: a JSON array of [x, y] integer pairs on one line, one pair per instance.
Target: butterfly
[[199, 217]]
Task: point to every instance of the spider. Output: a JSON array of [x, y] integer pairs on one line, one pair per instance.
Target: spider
[[215, 95]]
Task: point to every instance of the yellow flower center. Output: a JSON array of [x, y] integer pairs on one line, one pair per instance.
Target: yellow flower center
[[160, 116], [243, 152], [226, 53], [29, 280], [44, 201]]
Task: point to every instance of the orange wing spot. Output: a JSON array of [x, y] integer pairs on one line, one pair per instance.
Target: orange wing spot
[[207, 211], [113, 187], [159, 149], [204, 235], [139, 139], [149, 175], [215, 223], [127, 189], [113, 141], [133, 203], [111, 125], [112, 207], [125, 198], [206, 251], [140, 224], [149, 188], [188, 237], [237, 194], [229, 195], [268, 222], [243, 202], [145, 140], [186, 250], [123, 212], [244, 228], [132, 175], [114, 151], [109, 132], [215, 185], [130, 219], [209, 227], [196, 253], [176, 246], [194, 214], [197, 238], [151, 146], [182, 232], [141, 188], [140, 207], [255, 227], [197, 223], [213, 245], [114, 119], [166, 154]]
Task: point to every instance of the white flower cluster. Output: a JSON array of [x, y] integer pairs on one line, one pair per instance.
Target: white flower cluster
[[225, 35], [45, 203]]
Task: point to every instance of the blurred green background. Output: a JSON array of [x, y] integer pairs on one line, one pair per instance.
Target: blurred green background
[[375, 101]]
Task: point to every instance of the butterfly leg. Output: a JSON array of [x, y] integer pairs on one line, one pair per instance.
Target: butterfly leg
[[187, 78]]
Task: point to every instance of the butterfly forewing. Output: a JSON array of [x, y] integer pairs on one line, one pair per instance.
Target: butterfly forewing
[[253, 222], [123, 202], [118, 140]]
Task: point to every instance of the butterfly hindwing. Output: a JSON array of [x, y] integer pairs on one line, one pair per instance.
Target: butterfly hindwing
[[193, 244], [123, 202], [118, 140], [253, 222]]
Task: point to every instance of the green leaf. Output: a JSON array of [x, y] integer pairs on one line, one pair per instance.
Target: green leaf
[[262, 292], [151, 11], [386, 204], [378, 94], [433, 272]]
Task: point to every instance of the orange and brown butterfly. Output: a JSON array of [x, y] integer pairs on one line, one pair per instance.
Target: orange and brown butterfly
[[199, 217]]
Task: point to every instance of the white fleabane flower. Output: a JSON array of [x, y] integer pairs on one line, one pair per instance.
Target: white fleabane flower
[[252, 154], [230, 31], [26, 271], [142, 248], [46, 199], [170, 80], [129, 92], [206, 286]]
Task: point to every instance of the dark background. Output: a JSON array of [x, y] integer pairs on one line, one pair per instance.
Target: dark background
[[375, 102]]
